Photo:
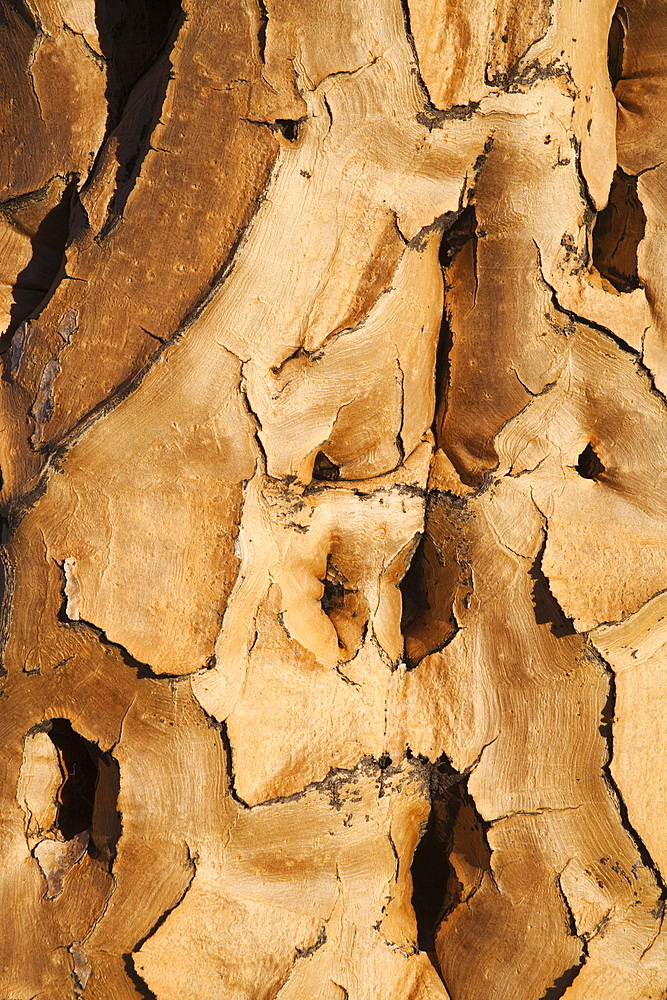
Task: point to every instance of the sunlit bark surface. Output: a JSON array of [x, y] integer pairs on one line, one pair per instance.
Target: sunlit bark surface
[[333, 438]]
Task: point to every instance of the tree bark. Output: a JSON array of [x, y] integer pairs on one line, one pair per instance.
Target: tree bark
[[334, 439]]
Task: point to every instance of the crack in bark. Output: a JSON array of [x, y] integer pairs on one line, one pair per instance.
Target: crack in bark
[[128, 958], [433, 117], [547, 608], [565, 980], [607, 732], [405, 8], [105, 909], [144, 670], [642, 370], [332, 785], [191, 862], [97, 57], [658, 932], [261, 31], [315, 946], [33, 54], [540, 811], [542, 392], [222, 729]]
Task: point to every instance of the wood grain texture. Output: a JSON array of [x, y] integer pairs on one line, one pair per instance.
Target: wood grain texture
[[333, 446]]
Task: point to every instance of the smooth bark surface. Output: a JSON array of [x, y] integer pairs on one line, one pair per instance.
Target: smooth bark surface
[[334, 450]]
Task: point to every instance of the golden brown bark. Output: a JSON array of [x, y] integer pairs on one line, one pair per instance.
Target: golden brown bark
[[333, 444]]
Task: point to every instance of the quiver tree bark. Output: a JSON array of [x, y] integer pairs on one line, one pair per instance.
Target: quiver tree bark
[[333, 447]]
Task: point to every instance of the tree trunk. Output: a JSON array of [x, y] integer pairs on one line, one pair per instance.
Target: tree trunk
[[334, 444]]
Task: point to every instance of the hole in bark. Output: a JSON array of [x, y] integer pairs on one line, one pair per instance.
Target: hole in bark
[[132, 37], [436, 890], [346, 608], [261, 30], [48, 244], [461, 836], [77, 793], [431, 872], [137, 46], [324, 469], [547, 609], [288, 128], [427, 591], [616, 45], [333, 597], [618, 231], [459, 233], [589, 465], [87, 799]]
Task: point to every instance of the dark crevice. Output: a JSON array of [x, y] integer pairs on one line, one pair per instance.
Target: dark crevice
[[76, 798], [563, 982], [586, 197], [333, 597], [140, 985], [462, 230], [616, 44], [46, 265], [588, 464], [141, 105], [547, 609], [346, 608], [287, 127], [619, 229], [88, 796], [427, 591], [442, 223], [324, 469], [431, 870], [261, 31], [454, 828], [405, 6], [143, 670], [453, 240], [607, 732], [192, 864], [132, 37], [221, 727]]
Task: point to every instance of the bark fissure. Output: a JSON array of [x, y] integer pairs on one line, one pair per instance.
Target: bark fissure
[[607, 733]]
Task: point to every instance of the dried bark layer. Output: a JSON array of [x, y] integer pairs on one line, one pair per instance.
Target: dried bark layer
[[334, 430]]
